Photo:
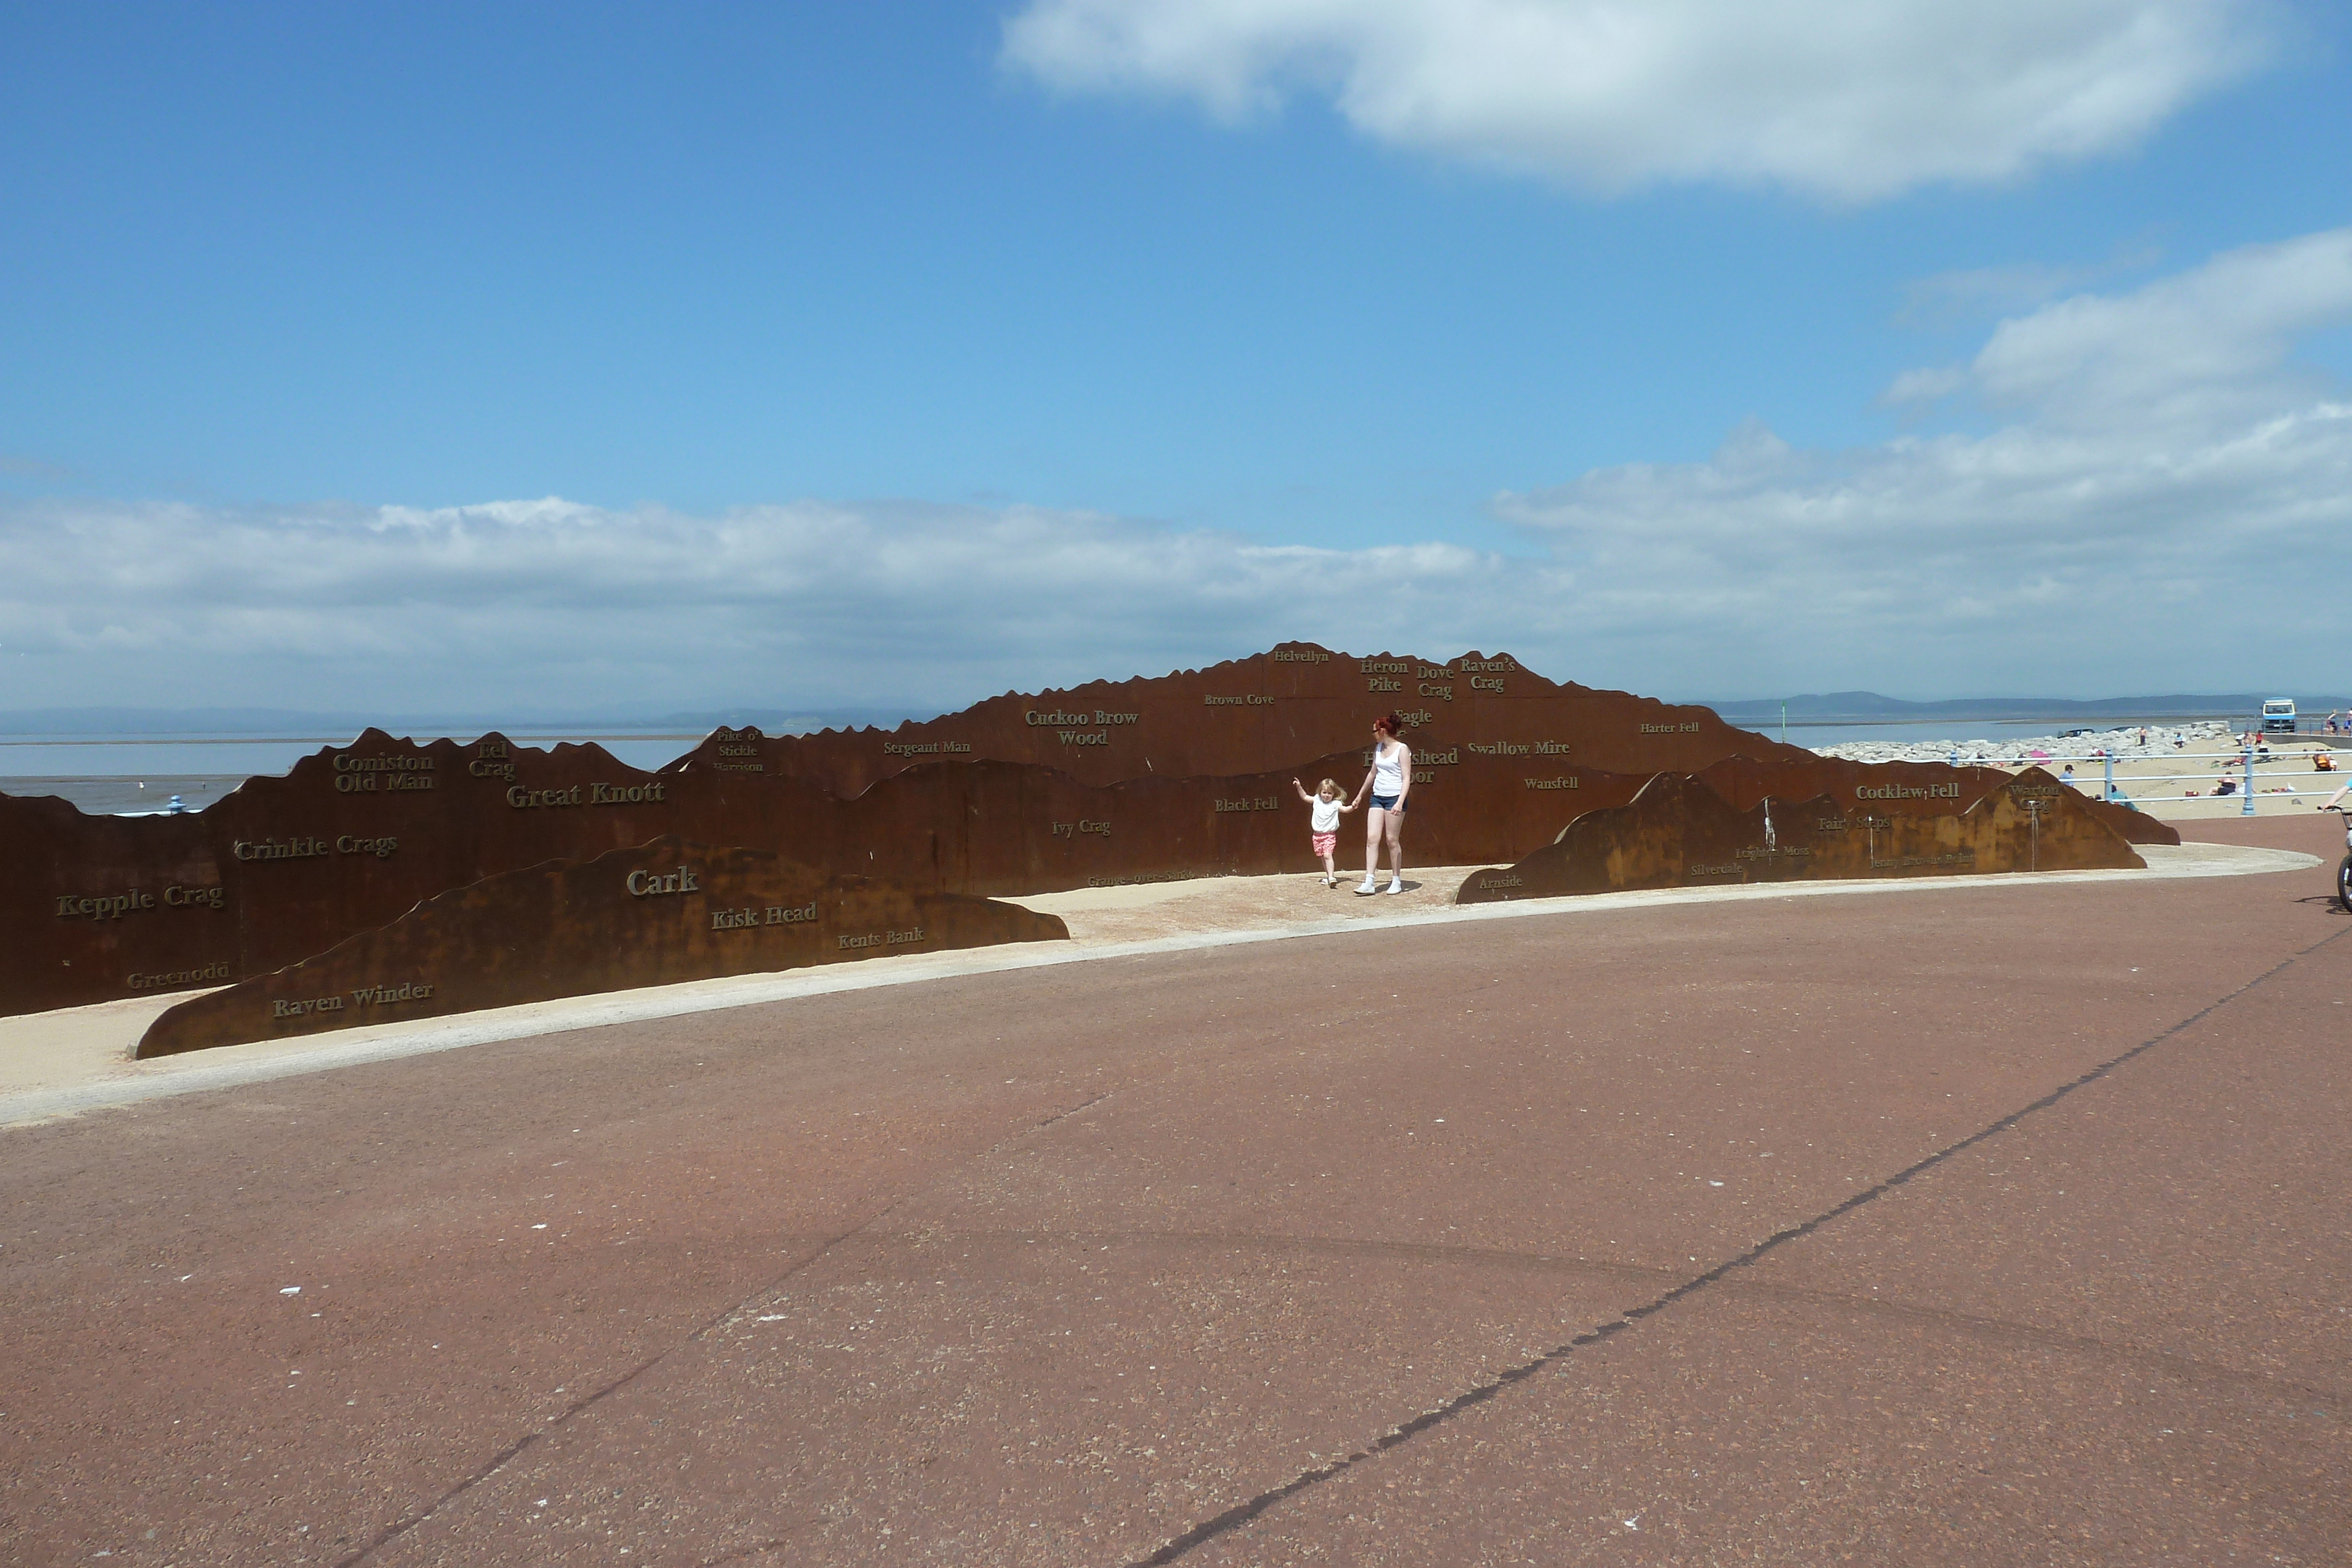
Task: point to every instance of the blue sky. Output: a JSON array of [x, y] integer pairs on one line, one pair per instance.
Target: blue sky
[[575, 355]]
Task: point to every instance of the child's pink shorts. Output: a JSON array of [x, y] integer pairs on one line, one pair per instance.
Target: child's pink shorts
[[1325, 843]]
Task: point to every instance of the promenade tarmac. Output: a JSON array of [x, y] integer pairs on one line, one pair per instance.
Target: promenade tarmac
[[1941, 1224]]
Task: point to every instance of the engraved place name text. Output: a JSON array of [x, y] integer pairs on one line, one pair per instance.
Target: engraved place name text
[[881, 939], [523, 799], [299, 847], [132, 901], [303, 847], [737, 751], [1301, 656], [1690, 728], [491, 760], [925, 749], [282, 1010], [1250, 803], [1098, 828], [1519, 748], [655, 884], [364, 997], [1950, 791], [1502, 882], [735, 742], [171, 980], [1055, 719], [355, 775], [1247, 699], [384, 995], [747, 919], [1570, 782]]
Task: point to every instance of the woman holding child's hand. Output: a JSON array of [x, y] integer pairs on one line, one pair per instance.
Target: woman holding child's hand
[[1388, 783]]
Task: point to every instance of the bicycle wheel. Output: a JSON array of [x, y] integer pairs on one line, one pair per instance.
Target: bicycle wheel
[[2344, 884]]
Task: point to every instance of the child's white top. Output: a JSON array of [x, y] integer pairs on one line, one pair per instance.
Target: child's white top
[[1327, 815]]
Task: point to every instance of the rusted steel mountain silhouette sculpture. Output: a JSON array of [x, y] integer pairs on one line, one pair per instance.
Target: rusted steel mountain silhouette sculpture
[[1178, 776]]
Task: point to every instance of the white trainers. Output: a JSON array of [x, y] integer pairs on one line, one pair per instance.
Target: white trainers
[[1395, 886], [1367, 887]]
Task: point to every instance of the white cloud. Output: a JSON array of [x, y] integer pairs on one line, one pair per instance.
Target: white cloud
[[549, 604], [2172, 472], [1850, 99], [2166, 473], [2207, 345]]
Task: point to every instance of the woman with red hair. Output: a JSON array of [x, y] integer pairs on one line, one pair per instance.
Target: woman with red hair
[[1388, 782]]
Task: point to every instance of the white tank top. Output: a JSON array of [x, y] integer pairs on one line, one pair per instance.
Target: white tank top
[[1388, 774]]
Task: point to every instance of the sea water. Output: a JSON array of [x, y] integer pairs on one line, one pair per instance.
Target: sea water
[[134, 773], [142, 772]]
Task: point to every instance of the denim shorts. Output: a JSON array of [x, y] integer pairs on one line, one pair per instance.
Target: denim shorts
[[1386, 804]]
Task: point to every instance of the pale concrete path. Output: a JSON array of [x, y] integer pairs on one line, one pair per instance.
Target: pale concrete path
[[79, 1058]]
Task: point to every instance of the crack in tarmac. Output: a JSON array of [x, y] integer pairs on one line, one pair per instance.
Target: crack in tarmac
[[580, 1407], [1974, 1325], [1242, 1513]]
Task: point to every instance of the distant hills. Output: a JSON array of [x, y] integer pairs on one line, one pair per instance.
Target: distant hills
[[306, 724], [1813, 708], [1869, 707]]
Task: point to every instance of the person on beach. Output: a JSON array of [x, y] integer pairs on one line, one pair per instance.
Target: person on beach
[[1387, 783], [1324, 823]]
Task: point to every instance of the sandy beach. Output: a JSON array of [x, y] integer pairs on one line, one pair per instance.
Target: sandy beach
[[2172, 773]]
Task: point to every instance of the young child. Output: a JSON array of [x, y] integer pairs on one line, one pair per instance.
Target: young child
[[1328, 811]]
